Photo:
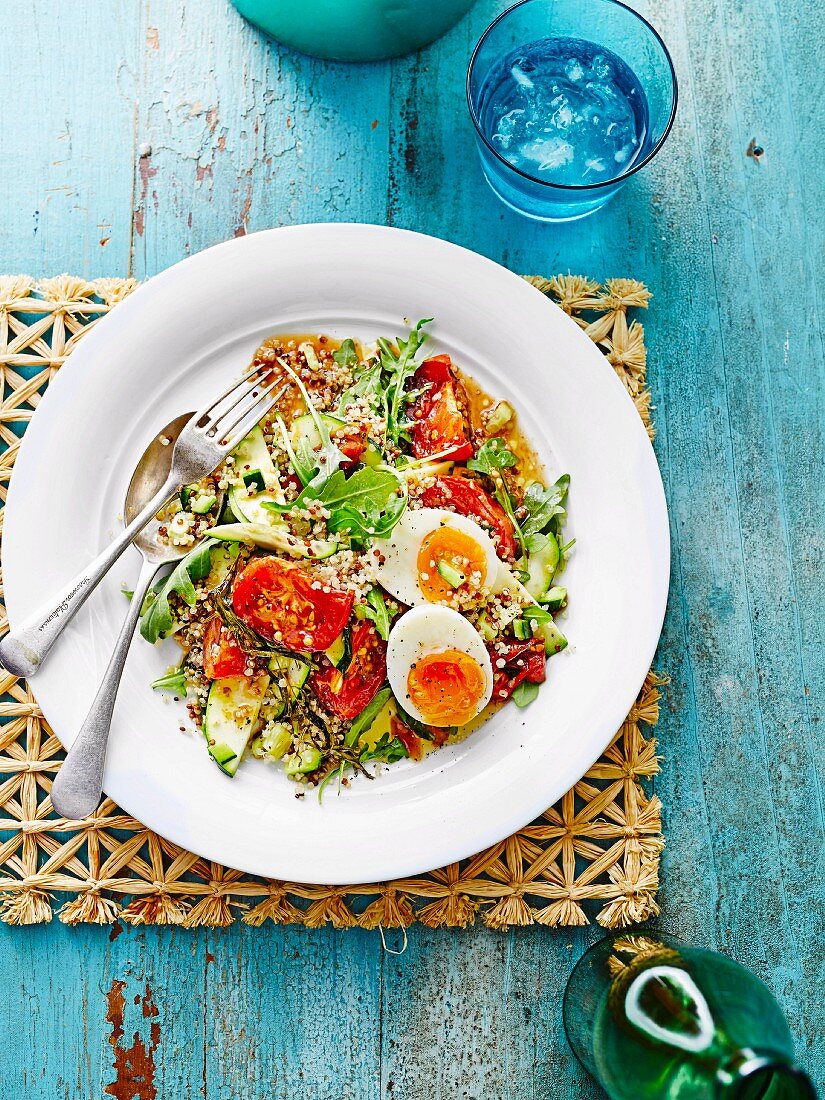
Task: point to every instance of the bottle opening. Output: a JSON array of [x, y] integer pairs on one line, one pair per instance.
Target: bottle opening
[[772, 1082]]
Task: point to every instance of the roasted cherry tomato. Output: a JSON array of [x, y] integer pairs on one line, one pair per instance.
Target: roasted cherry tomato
[[523, 661], [347, 691], [288, 605], [468, 498], [222, 656], [352, 442], [439, 425], [293, 481]]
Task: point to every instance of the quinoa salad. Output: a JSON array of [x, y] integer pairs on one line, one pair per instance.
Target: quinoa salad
[[373, 571]]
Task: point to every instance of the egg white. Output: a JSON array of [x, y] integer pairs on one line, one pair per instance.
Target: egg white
[[399, 571], [432, 628]]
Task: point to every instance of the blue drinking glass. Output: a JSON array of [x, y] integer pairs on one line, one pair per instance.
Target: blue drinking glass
[[569, 99]]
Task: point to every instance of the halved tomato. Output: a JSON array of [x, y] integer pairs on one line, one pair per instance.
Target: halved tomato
[[522, 661], [288, 605], [468, 498], [345, 692], [222, 656], [439, 424]]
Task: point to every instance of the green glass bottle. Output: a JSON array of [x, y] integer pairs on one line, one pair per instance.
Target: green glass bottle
[[649, 1017]]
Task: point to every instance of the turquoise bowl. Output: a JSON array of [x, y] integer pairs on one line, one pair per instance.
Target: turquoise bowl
[[354, 30]]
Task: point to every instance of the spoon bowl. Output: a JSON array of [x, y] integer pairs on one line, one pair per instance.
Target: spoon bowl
[[150, 474]]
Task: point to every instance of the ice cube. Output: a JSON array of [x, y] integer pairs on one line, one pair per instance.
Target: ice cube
[[521, 77], [563, 118], [506, 127], [547, 153], [602, 67], [573, 70]]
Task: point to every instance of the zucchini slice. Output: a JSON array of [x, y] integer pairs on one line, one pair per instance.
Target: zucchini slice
[[275, 538], [254, 465], [251, 509], [253, 461], [295, 673], [304, 432], [232, 709], [542, 567]]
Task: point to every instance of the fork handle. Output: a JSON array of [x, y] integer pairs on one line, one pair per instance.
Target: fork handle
[[23, 650], [78, 784]]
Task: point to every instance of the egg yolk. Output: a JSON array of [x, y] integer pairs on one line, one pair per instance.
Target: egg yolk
[[447, 687], [463, 565]]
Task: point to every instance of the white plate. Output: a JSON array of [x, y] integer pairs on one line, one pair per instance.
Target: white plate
[[183, 336]]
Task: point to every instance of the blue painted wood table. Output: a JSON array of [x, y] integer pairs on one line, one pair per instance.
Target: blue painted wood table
[[137, 133]]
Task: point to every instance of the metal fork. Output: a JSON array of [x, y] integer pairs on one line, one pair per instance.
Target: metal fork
[[212, 433]]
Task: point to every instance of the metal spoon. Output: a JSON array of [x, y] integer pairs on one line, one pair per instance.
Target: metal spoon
[[77, 787]]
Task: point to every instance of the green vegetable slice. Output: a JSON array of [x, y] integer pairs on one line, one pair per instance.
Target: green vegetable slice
[[368, 715], [157, 620]]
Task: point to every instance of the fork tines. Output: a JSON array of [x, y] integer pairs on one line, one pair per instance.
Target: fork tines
[[230, 416]]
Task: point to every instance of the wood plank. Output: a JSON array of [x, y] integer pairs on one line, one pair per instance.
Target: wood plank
[[240, 134], [477, 1014], [739, 653], [67, 92], [293, 1012], [52, 1029]]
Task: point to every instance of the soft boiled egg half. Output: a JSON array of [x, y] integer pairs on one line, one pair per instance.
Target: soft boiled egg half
[[436, 556], [438, 667]]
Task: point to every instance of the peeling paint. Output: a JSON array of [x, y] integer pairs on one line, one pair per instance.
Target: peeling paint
[[147, 172], [134, 1065], [240, 228], [153, 38]]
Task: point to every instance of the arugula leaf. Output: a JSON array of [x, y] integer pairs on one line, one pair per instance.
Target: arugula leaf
[[365, 719], [525, 693], [367, 383], [367, 504], [544, 506], [387, 750], [493, 455], [417, 727], [400, 367], [363, 527], [329, 457], [535, 542], [375, 609], [537, 616], [172, 681], [368, 489], [157, 620], [346, 355]]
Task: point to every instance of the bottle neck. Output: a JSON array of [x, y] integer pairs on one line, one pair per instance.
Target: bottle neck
[[759, 1075]]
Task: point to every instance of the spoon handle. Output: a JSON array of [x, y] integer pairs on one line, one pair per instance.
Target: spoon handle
[[23, 650], [77, 786]]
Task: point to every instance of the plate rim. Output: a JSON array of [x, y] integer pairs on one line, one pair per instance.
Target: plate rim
[[658, 507]]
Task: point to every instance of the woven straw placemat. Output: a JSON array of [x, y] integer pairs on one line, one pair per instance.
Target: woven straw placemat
[[594, 854]]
